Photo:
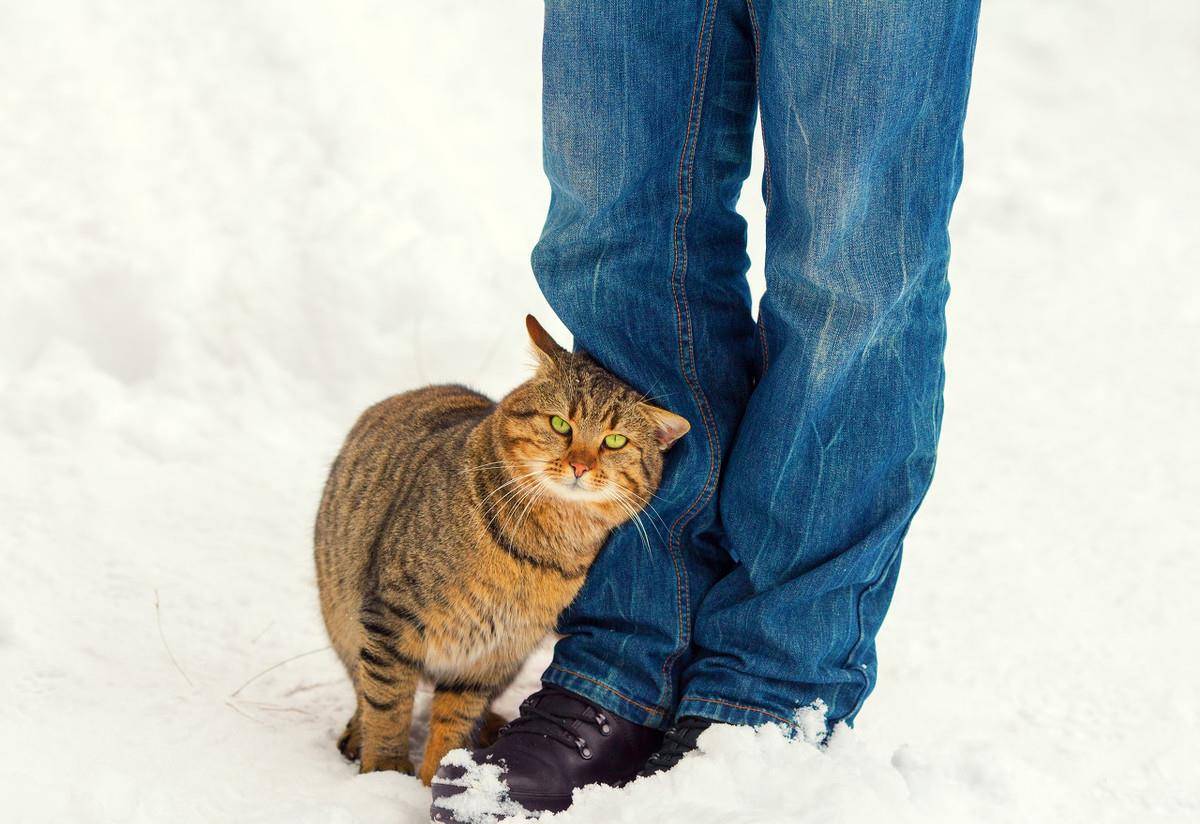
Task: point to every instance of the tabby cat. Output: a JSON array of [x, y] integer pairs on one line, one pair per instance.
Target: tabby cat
[[453, 531]]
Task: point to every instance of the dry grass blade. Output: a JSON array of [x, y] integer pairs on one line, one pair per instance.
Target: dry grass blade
[[166, 646], [234, 694]]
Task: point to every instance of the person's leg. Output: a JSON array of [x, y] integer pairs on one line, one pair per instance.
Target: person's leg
[[862, 108], [649, 114]]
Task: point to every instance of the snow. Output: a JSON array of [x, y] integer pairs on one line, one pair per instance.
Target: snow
[[229, 227], [484, 798]]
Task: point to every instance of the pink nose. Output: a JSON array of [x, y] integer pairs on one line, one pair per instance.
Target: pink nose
[[579, 469]]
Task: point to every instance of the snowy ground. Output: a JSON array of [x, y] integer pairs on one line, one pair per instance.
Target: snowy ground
[[226, 227]]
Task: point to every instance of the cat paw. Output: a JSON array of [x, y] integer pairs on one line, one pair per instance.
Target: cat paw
[[387, 763], [350, 744], [488, 729]]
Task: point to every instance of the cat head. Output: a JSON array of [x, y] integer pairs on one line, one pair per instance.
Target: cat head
[[582, 434]]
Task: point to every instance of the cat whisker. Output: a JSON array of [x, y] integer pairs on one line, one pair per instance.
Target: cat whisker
[[634, 518], [626, 489], [493, 506], [650, 398], [537, 495], [515, 497], [484, 467], [510, 482], [511, 499], [651, 494], [637, 516], [637, 523], [647, 507]]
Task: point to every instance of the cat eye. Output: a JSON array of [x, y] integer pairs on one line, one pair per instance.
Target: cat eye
[[615, 441], [559, 425]]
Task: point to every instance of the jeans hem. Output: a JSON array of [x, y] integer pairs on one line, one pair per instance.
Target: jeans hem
[[607, 697], [730, 712]]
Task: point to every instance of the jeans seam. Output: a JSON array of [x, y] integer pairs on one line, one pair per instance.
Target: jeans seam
[[743, 707], [762, 122], [643, 707], [859, 669], [691, 139], [762, 339], [758, 90]]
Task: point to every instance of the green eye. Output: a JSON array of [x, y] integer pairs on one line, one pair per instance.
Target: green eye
[[615, 441], [559, 425]]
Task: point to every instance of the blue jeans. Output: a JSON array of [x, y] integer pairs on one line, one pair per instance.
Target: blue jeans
[[774, 542]]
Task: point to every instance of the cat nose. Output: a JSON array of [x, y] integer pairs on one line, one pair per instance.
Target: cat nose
[[579, 468]]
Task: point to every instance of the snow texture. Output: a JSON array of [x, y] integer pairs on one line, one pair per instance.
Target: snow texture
[[485, 795], [225, 228]]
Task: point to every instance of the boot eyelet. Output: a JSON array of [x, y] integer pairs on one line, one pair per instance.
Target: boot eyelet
[[602, 720]]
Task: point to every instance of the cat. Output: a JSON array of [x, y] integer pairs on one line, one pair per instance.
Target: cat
[[453, 530]]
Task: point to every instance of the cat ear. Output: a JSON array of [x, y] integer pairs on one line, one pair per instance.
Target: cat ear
[[668, 427], [544, 345]]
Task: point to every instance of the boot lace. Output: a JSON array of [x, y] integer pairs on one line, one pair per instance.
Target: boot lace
[[557, 725]]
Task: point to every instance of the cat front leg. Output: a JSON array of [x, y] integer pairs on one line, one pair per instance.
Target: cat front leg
[[386, 683], [452, 718]]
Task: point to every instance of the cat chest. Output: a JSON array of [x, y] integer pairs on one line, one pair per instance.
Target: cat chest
[[467, 641]]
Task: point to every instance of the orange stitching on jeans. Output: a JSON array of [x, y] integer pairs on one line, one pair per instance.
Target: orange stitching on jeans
[[679, 584], [602, 685], [762, 339], [779, 718], [679, 243]]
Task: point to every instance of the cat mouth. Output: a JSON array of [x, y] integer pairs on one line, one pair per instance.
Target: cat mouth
[[574, 489]]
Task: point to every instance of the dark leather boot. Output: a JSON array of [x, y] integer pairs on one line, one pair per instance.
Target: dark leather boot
[[560, 741], [678, 742]]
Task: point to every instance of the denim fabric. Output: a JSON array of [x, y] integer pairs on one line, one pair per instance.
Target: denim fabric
[[775, 540]]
